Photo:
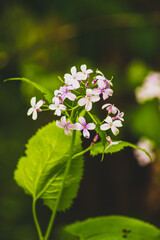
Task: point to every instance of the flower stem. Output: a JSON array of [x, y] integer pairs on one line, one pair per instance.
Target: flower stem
[[68, 164], [36, 220]]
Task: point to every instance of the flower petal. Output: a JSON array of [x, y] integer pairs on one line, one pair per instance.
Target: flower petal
[[105, 105], [83, 68], [88, 106], [82, 121], [67, 131], [82, 101], [86, 133], [39, 104], [73, 70], [34, 115], [30, 111], [72, 126], [57, 112], [117, 123], [108, 120], [52, 106], [105, 126], [63, 120], [33, 101], [79, 126], [59, 124], [88, 92], [95, 98], [90, 126], [115, 130]]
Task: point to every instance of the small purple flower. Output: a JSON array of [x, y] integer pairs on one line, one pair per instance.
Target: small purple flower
[[111, 124], [65, 93], [85, 127], [106, 92], [66, 125], [58, 107], [88, 99], [110, 108], [35, 108], [119, 116]]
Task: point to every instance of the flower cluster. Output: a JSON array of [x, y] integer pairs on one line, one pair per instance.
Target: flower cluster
[[76, 98], [150, 88]]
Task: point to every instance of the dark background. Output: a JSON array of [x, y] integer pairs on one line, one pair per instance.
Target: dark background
[[43, 39]]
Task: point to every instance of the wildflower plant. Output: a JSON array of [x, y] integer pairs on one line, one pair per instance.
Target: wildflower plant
[[52, 167]]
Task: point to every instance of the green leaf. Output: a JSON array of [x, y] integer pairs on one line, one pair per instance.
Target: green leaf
[[113, 228], [47, 94], [40, 173], [114, 147]]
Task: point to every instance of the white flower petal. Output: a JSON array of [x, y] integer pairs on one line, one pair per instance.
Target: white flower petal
[[117, 123], [89, 71], [63, 120], [86, 133], [30, 111], [72, 126], [59, 124], [79, 126], [115, 130], [73, 70], [34, 115], [95, 98], [108, 120], [52, 106], [105, 105], [82, 101], [39, 104], [57, 112], [82, 121], [88, 106], [88, 92], [90, 126], [33, 101], [96, 91], [83, 68], [105, 126], [62, 107], [67, 131]]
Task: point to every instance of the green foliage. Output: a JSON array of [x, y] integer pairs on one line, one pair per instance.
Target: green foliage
[[145, 120], [113, 228], [41, 172], [47, 94], [98, 148]]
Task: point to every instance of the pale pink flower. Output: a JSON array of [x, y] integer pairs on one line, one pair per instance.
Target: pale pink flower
[[111, 124], [106, 92], [58, 107], [141, 156], [35, 108], [66, 125], [57, 95], [74, 78], [111, 143], [85, 127], [85, 71], [66, 93], [110, 108], [150, 88], [88, 99]]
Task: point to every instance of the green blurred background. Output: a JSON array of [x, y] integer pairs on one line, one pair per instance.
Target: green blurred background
[[43, 39]]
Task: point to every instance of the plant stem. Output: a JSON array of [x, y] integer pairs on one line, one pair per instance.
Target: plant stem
[[36, 220], [68, 164], [81, 153]]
